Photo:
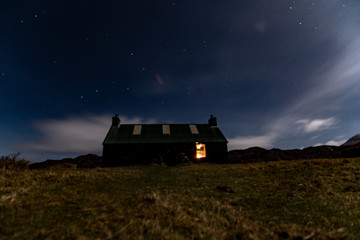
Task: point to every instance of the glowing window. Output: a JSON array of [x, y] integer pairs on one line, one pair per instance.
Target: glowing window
[[200, 150]]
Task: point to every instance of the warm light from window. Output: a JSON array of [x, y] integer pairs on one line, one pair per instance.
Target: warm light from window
[[200, 150]]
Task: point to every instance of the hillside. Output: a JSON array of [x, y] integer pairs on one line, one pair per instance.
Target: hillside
[[301, 199], [256, 154], [83, 161], [250, 155], [352, 141]]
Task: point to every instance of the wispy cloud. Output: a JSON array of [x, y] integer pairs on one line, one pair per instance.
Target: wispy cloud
[[326, 93], [315, 125], [335, 142], [242, 142], [75, 134]]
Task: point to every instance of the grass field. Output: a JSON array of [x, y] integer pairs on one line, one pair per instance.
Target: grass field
[[312, 199]]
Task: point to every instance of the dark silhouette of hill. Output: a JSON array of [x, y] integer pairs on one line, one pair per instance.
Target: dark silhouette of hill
[[83, 161], [350, 149], [257, 154], [352, 141]]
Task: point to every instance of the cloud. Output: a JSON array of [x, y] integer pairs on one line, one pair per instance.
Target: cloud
[[332, 143], [75, 134], [315, 125], [243, 142], [335, 82], [335, 142], [328, 90]]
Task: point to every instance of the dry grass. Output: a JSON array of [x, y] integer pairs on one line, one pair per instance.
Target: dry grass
[[317, 199], [13, 162]]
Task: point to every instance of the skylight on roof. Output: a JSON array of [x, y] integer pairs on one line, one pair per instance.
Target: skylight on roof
[[194, 129], [166, 129], [137, 130]]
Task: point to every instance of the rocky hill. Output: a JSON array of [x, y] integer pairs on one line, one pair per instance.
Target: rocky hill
[[352, 141], [83, 161], [256, 154]]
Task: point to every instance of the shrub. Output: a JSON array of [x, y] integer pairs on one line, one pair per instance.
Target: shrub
[[12, 161]]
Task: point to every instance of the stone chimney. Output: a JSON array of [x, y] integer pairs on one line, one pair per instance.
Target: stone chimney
[[212, 121], [115, 121]]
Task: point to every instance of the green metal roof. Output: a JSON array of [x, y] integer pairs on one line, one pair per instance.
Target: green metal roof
[[153, 133]]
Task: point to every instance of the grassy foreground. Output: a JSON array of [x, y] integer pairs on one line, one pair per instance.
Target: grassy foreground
[[312, 199]]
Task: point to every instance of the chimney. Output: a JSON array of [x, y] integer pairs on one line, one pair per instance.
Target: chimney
[[212, 121], [115, 121]]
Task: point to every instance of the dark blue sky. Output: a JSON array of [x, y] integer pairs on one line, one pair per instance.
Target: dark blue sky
[[280, 74]]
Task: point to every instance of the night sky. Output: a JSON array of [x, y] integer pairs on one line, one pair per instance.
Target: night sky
[[281, 73]]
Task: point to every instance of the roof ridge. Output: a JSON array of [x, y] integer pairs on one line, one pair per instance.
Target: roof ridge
[[154, 133]]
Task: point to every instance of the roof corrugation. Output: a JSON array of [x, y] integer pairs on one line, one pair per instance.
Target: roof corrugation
[[153, 133]]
